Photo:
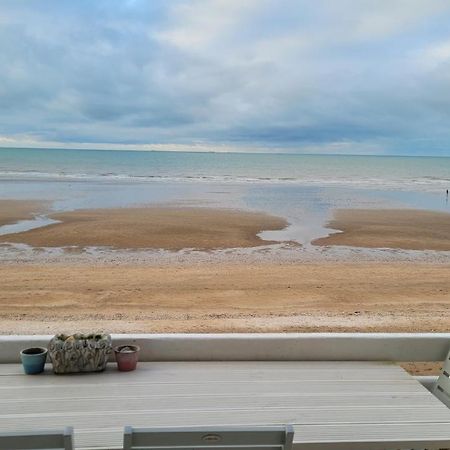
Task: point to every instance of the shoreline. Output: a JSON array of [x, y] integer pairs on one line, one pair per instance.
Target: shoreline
[[179, 228], [13, 211]]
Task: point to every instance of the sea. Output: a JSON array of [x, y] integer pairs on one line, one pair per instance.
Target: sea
[[305, 189]]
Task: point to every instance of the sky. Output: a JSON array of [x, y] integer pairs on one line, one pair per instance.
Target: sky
[[322, 76]]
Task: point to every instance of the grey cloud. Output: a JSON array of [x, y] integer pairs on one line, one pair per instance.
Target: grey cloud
[[155, 72]]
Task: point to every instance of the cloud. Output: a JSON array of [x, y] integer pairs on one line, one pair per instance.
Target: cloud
[[197, 24], [286, 75]]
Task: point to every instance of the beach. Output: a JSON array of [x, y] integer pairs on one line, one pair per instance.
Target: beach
[[267, 296], [404, 229], [12, 211], [152, 227], [146, 242], [225, 298], [178, 228]]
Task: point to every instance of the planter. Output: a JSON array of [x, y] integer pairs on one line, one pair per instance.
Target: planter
[[79, 352], [33, 360], [126, 357]]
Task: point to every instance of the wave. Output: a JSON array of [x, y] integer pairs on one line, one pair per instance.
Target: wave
[[426, 183]]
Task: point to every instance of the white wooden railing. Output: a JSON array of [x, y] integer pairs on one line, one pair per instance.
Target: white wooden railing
[[398, 347], [265, 346]]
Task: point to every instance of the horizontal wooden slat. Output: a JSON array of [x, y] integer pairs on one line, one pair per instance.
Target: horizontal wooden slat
[[248, 388], [218, 367], [157, 373], [150, 418], [231, 402]]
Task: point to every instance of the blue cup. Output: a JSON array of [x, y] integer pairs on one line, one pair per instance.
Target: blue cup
[[33, 360]]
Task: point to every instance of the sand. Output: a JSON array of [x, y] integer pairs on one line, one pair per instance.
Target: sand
[[152, 227], [219, 298], [206, 228], [390, 228], [11, 211]]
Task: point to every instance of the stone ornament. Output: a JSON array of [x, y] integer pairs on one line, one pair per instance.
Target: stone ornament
[[79, 352]]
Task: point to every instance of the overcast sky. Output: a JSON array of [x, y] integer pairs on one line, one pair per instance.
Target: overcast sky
[[325, 76]]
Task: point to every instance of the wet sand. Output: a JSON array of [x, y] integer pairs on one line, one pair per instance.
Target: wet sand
[[152, 227], [390, 228], [221, 298], [11, 211], [176, 228]]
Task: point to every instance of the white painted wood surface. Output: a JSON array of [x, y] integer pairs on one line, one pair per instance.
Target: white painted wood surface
[[359, 404], [265, 346]]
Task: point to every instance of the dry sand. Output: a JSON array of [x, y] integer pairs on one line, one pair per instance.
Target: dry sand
[[237, 298], [152, 227], [11, 211], [390, 228]]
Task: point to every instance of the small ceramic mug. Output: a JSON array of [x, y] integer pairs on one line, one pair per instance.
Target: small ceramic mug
[[33, 360]]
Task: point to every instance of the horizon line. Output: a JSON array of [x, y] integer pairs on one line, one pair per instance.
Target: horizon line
[[223, 152]]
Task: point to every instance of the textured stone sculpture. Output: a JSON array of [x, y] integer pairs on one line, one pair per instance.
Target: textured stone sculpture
[[79, 352]]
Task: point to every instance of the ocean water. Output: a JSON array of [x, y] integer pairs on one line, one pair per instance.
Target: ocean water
[[386, 172], [305, 189]]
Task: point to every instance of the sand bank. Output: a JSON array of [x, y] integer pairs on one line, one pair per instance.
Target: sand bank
[[238, 298], [390, 228], [11, 211], [152, 227]]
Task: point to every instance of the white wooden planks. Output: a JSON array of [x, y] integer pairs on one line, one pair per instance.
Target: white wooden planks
[[347, 401], [232, 402]]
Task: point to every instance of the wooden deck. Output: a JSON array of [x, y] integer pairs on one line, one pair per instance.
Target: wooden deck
[[355, 403]]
